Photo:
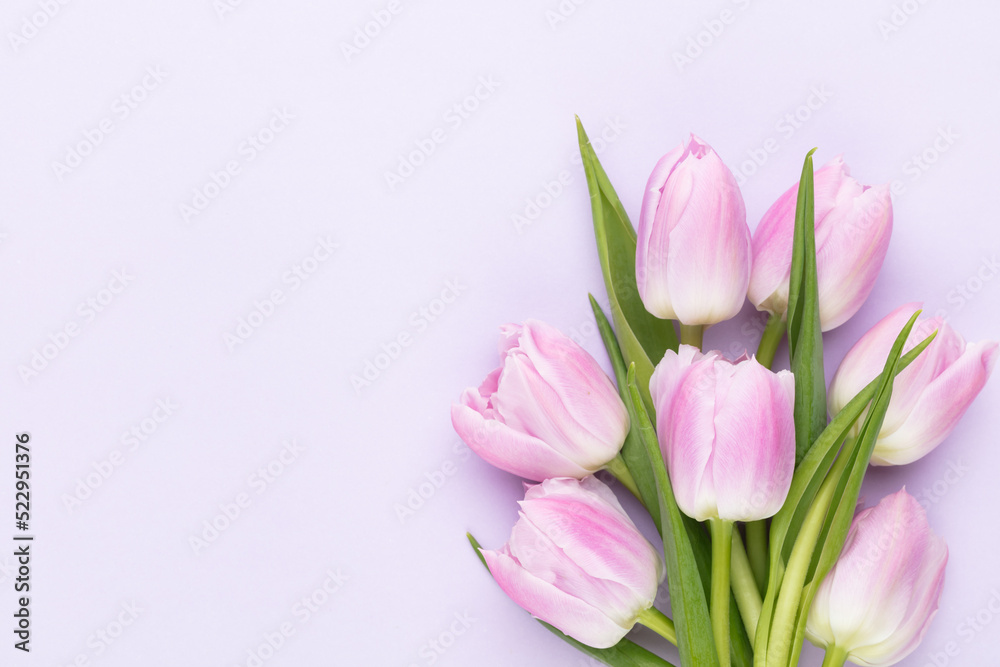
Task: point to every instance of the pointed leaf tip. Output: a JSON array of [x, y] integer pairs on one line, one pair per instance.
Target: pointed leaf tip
[[478, 549]]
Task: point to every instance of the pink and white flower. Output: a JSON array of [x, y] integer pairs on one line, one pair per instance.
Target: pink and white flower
[[693, 248], [878, 600], [726, 432], [853, 226], [549, 410], [576, 561], [929, 396]]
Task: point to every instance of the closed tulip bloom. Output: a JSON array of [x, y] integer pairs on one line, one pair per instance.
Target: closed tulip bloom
[[576, 561], [878, 600], [929, 396], [693, 254], [853, 226], [726, 433], [547, 411]]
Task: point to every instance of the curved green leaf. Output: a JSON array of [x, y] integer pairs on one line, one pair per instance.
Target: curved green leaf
[[633, 451], [643, 337], [805, 335]]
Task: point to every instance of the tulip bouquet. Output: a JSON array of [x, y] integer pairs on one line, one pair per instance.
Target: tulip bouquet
[[751, 476]]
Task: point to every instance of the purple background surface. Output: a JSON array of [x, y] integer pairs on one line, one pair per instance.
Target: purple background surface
[[255, 115]]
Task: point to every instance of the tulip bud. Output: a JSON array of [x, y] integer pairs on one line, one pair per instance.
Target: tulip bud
[[576, 561], [693, 253], [548, 411], [853, 226], [878, 600], [928, 397], [726, 432]]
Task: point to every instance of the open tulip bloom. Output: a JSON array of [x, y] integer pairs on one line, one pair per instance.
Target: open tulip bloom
[[932, 394], [751, 476], [576, 561], [547, 411]]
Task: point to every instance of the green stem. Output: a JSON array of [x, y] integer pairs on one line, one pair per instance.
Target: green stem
[[722, 543], [617, 467], [774, 331], [745, 588], [660, 623], [757, 552], [835, 657], [783, 623], [692, 334]]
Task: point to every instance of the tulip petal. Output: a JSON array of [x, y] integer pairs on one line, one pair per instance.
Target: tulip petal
[[604, 545], [923, 607], [772, 240], [878, 599], [833, 184], [579, 383], [941, 404], [529, 404], [510, 450], [754, 442], [874, 565], [772, 254], [708, 254], [689, 435], [853, 225], [910, 384], [534, 547], [544, 601], [653, 234], [669, 374], [851, 244], [864, 361]]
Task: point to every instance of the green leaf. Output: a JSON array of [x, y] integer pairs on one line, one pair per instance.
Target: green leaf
[[805, 336], [643, 337], [688, 600], [623, 654], [633, 451]]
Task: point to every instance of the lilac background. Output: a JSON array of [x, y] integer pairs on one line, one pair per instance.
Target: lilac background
[[880, 97]]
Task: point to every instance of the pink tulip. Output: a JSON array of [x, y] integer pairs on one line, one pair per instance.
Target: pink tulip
[[853, 226], [576, 561], [929, 397], [726, 433], [548, 411], [693, 254], [878, 600]]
